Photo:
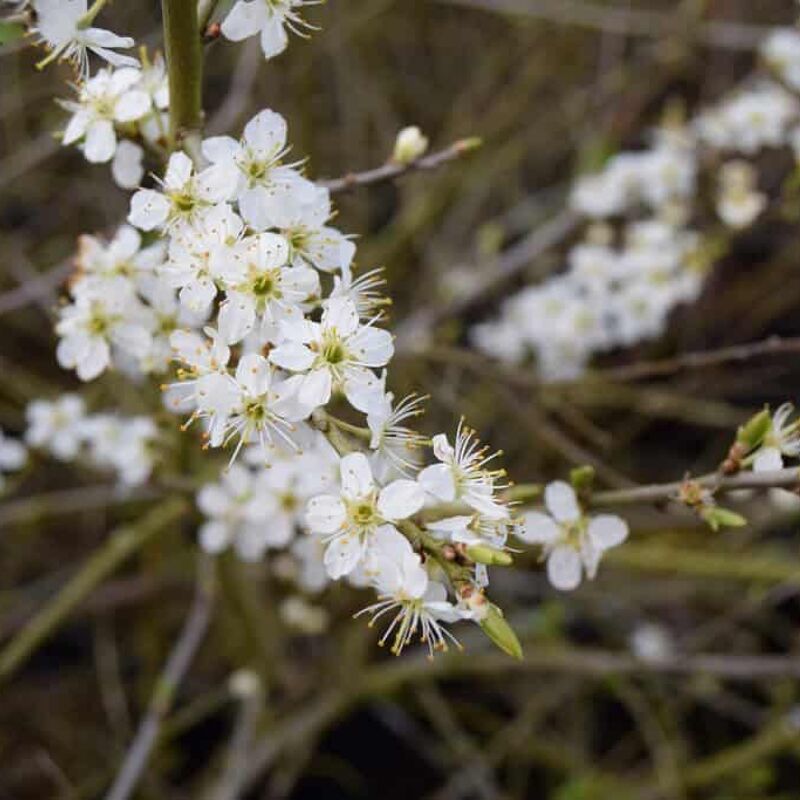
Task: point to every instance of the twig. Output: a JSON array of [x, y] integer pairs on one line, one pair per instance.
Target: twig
[[775, 345], [628, 21], [658, 493], [247, 686], [69, 501], [34, 289], [192, 633], [415, 331], [388, 679], [120, 546], [392, 170], [238, 95]]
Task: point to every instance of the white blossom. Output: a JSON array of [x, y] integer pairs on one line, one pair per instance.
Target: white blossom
[[186, 196], [336, 353], [572, 542], [59, 27], [56, 426], [240, 514], [262, 289], [98, 321], [348, 521], [197, 256], [463, 473], [268, 18], [109, 97], [420, 605], [262, 184]]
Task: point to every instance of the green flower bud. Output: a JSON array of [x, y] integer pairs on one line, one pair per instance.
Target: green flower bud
[[483, 554], [494, 625], [717, 518], [752, 433], [582, 479]]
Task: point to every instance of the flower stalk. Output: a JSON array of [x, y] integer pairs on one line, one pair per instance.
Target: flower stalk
[[185, 63]]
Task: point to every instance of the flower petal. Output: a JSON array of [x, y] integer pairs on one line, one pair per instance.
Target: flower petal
[[607, 530], [561, 502], [325, 514], [400, 499], [564, 568], [538, 528], [438, 481], [357, 480]]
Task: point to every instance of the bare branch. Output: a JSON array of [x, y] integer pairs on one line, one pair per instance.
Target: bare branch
[[775, 345], [392, 169], [658, 493], [178, 663], [628, 22]]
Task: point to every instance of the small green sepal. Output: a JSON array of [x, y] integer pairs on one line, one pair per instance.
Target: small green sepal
[[496, 627]]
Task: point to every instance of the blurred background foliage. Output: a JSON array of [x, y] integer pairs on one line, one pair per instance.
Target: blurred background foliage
[[551, 93]]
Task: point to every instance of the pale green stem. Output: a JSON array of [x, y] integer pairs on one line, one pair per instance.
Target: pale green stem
[[88, 18], [185, 64]]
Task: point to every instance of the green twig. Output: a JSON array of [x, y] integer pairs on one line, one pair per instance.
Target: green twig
[[105, 561], [185, 63]]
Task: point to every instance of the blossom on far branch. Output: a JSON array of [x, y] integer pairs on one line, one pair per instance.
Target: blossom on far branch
[[13, 456], [573, 542]]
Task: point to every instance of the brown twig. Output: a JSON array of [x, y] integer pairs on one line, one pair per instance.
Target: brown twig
[[414, 331], [658, 493], [192, 633], [775, 345], [627, 21], [393, 169]]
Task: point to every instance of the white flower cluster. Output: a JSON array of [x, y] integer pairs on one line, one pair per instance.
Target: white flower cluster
[[123, 445], [255, 508], [117, 113], [122, 308], [229, 265], [624, 279]]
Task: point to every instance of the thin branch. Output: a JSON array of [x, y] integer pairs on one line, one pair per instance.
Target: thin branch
[[393, 170], [628, 22], [414, 332], [191, 635], [388, 679], [119, 547], [69, 501], [659, 493], [775, 345]]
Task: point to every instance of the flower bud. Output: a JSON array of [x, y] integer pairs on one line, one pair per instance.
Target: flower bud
[[755, 429], [244, 683], [717, 518], [483, 554], [494, 625], [409, 145], [582, 479]]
